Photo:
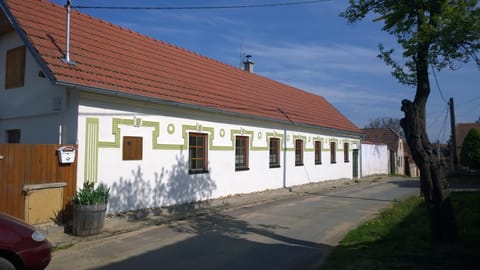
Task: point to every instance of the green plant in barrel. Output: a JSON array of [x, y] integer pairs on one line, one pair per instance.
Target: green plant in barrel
[[89, 195]]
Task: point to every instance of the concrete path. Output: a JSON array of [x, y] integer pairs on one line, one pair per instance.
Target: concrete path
[[291, 232]]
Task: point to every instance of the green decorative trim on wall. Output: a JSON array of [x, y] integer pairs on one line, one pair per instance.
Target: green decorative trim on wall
[[93, 143], [116, 122], [333, 140], [156, 134], [199, 128], [299, 137], [91, 150], [241, 132], [171, 128], [137, 122], [273, 135]]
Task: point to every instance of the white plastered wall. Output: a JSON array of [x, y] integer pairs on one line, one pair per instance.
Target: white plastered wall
[[39, 109], [161, 177], [374, 159]]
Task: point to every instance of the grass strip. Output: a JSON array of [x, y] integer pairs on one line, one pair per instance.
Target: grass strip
[[398, 238]]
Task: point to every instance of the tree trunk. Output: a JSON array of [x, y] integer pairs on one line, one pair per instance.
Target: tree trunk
[[434, 185]]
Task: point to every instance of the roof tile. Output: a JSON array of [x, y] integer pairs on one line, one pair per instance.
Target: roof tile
[[117, 59]]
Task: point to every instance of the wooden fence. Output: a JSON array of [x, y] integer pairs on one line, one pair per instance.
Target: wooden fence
[[30, 164]]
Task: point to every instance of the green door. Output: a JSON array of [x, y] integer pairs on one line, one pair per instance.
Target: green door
[[355, 163]]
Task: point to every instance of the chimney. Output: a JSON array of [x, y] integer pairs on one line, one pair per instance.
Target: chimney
[[248, 63]]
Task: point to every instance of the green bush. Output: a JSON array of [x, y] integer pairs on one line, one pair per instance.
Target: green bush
[[89, 195], [470, 155]]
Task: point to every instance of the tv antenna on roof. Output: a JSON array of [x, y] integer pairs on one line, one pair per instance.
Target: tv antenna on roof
[[66, 58]]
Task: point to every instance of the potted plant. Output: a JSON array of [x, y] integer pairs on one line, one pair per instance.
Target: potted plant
[[89, 209]]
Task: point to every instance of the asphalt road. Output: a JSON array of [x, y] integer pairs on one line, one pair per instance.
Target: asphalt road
[[291, 233]]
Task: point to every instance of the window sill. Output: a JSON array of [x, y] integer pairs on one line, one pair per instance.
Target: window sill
[[333, 162], [197, 171], [299, 164], [274, 166], [346, 161], [318, 163], [242, 169]]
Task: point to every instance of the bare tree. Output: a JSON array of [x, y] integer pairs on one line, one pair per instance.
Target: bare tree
[[386, 122]]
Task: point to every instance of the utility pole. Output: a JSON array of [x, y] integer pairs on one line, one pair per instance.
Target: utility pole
[[453, 155]]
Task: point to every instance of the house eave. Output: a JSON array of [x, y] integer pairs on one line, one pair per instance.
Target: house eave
[[110, 92]]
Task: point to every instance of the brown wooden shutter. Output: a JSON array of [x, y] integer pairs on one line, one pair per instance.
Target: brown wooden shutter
[[132, 148], [15, 70]]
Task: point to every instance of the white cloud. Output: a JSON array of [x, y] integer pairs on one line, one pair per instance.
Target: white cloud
[[332, 57]]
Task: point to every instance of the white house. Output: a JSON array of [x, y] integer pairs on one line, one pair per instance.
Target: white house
[[159, 124]]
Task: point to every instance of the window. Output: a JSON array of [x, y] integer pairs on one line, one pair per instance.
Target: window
[[15, 70], [318, 152], [345, 152], [333, 152], [197, 155], [274, 152], [241, 153], [13, 136], [298, 152], [132, 148]]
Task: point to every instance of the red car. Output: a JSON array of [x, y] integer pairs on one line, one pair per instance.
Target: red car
[[21, 246]]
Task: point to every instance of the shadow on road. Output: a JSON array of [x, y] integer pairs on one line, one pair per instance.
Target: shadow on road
[[406, 183], [223, 242]]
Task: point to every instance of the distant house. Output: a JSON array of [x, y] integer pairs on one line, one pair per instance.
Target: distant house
[[395, 144], [159, 124], [411, 168], [461, 131]]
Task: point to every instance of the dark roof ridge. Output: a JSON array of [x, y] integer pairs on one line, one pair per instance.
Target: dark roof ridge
[[386, 128]]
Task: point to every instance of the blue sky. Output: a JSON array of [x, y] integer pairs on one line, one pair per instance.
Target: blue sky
[[306, 46]]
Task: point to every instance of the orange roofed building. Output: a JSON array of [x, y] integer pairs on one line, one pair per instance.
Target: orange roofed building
[[159, 124]]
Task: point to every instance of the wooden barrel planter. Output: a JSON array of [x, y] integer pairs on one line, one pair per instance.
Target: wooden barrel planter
[[88, 219]]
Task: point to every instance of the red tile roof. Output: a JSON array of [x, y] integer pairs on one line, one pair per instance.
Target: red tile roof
[[382, 135], [116, 59]]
